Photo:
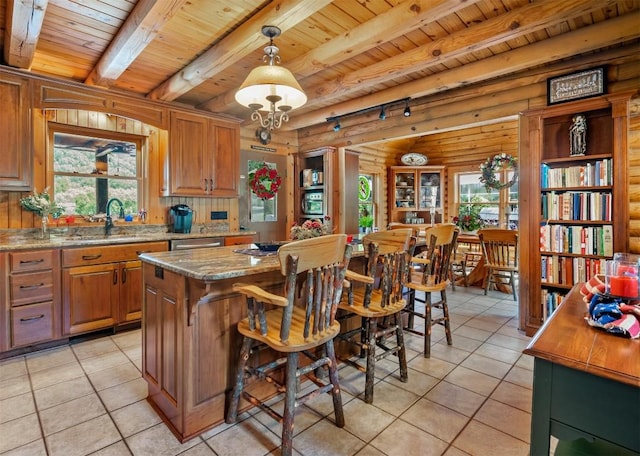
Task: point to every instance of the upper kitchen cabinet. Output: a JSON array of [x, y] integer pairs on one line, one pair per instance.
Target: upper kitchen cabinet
[[15, 125], [204, 156], [416, 194]]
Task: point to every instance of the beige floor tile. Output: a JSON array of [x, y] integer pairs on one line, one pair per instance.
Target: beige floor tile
[[94, 348], [117, 449], [485, 323], [463, 343], [479, 439], [506, 355], [67, 414], [513, 342], [364, 420], [472, 380], [370, 451], [404, 439], [435, 419], [450, 353], [472, 333], [83, 438], [135, 417], [12, 367], [514, 395], [14, 386], [486, 365], [431, 366], [246, 438], [35, 448], [50, 358], [201, 449], [456, 398], [509, 420], [62, 392], [392, 399], [314, 441], [417, 383], [525, 362], [58, 374], [19, 432], [114, 376], [124, 394], [131, 338], [133, 351], [305, 416], [102, 362], [158, 441], [453, 451], [16, 407], [521, 377]]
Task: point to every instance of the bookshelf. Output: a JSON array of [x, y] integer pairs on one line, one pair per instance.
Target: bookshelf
[[576, 205]]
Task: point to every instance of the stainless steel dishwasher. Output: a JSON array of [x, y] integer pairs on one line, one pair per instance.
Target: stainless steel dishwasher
[[196, 243]]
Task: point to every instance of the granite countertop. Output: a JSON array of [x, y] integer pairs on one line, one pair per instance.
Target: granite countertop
[[220, 262], [25, 239], [214, 263]]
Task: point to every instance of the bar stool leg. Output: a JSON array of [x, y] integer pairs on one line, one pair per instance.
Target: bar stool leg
[[333, 377], [289, 404], [232, 413], [427, 325], [371, 360]]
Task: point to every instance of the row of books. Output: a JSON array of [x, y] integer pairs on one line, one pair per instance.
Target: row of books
[[559, 270], [550, 302], [579, 240], [592, 174], [585, 206]]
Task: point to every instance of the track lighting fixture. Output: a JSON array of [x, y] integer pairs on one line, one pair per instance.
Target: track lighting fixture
[[382, 116], [407, 109]]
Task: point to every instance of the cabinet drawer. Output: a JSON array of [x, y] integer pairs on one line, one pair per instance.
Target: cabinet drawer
[[31, 324], [237, 240], [84, 256], [30, 288], [36, 260]]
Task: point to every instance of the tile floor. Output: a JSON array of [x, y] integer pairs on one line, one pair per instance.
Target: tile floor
[[473, 398]]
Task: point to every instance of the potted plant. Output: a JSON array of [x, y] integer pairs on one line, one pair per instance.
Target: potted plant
[[469, 219]]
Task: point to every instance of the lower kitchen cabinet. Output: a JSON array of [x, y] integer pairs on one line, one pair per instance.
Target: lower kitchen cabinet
[[33, 287], [102, 286]]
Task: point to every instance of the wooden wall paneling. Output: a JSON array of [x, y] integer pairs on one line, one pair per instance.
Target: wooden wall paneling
[[634, 183]]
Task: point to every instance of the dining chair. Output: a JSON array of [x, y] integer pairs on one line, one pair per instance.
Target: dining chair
[[430, 274], [299, 322], [500, 250], [376, 298]]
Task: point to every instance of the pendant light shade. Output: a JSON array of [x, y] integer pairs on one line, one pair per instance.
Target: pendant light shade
[[270, 88]]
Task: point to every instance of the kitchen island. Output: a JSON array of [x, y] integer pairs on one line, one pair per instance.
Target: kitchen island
[[189, 341]]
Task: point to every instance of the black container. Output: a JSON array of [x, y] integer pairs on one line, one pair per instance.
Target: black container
[[182, 217]]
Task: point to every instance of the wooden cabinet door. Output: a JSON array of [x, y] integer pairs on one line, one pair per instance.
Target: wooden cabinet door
[[130, 292], [15, 165], [90, 297], [188, 167], [225, 151]]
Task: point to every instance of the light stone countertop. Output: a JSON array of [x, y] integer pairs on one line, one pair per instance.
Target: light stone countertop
[[12, 240], [220, 262], [213, 263]]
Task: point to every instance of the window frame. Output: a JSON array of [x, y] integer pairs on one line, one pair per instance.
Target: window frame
[[141, 162]]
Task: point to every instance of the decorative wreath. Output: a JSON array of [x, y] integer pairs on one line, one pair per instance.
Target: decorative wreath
[[493, 165], [265, 182]]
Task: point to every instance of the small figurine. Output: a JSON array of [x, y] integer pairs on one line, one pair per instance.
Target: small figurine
[[578, 135]]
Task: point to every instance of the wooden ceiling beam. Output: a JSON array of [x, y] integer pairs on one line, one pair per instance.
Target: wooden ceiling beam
[[600, 35], [398, 21], [22, 31], [141, 28], [506, 27], [284, 14]]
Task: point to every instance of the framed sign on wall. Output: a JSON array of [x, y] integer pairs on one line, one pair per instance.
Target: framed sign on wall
[[574, 86]]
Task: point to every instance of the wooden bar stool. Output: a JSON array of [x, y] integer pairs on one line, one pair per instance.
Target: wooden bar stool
[[432, 276], [500, 250], [300, 323], [377, 299]]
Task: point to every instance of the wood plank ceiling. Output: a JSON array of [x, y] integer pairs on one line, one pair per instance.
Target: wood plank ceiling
[[347, 55]]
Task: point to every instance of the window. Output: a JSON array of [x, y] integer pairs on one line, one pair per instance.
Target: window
[[497, 207], [90, 167], [262, 210], [366, 208]]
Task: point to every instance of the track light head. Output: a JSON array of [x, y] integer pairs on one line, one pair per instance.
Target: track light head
[[383, 114], [407, 109], [337, 126]]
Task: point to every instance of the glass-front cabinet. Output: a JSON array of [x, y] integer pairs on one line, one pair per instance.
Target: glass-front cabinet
[[415, 194]]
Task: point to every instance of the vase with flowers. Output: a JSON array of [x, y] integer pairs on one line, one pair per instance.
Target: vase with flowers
[[469, 219], [310, 228], [43, 206]]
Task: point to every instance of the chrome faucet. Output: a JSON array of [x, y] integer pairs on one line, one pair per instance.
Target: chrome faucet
[[108, 223]]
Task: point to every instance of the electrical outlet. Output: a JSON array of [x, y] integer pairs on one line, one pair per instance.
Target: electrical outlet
[[219, 215]]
